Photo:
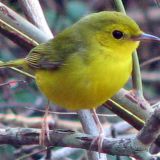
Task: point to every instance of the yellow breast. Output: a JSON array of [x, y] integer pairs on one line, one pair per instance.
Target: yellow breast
[[79, 84]]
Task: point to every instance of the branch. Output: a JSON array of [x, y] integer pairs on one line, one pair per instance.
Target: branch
[[142, 111], [69, 138], [34, 14], [151, 130], [18, 29], [126, 115]]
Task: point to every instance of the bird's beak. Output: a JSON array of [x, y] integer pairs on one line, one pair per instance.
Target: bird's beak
[[145, 37]]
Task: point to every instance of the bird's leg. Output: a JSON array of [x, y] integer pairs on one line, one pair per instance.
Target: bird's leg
[[45, 127], [100, 138], [135, 98]]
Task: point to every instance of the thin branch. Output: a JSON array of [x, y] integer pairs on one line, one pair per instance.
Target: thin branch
[[21, 72], [31, 122], [136, 76], [142, 111], [152, 60], [151, 130], [34, 14], [126, 115], [11, 21]]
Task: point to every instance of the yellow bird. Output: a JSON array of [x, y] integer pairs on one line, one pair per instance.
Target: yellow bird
[[87, 63]]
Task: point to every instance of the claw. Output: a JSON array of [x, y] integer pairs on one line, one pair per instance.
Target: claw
[[99, 139], [45, 128]]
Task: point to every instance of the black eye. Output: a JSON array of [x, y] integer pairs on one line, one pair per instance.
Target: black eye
[[117, 34]]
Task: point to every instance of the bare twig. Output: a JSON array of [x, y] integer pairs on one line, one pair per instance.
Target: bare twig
[[152, 60], [21, 121], [10, 22], [132, 119], [34, 14], [141, 111], [151, 130]]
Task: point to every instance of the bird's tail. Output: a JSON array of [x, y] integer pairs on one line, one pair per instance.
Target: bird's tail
[[13, 63]]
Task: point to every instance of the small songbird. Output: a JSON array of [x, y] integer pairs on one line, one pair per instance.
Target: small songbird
[[87, 63]]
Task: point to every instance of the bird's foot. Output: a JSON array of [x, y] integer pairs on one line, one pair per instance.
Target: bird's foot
[[141, 101], [44, 134], [99, 141]]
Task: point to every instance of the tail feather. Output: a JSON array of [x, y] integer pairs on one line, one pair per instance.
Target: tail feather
[[13, 63]]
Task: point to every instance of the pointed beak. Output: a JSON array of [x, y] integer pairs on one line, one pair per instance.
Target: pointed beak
[[145, 37]]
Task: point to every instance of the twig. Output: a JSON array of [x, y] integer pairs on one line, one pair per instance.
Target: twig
[[141, 111], [152, 60], [32, 122], [34, 14], [11, 21], [132, 119], [151, 130], [23, 72]]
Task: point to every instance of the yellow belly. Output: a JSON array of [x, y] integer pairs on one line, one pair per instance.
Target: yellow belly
[[77, 85]]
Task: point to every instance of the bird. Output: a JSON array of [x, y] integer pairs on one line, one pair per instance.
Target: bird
[[86, 63]]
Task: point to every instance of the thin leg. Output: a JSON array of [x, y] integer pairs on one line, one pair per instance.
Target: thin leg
[[45, 127], [100, 138]]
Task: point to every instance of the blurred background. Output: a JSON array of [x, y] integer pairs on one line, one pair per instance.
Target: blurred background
[[24, 98]]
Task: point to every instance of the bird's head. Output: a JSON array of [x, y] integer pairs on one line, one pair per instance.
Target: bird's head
[[117, 32]]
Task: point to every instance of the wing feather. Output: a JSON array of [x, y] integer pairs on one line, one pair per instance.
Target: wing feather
[[52, 55]]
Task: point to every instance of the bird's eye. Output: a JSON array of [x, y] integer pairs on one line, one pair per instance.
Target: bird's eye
[[117, 34]]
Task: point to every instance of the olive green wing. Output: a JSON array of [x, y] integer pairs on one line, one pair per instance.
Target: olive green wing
[[52, 55], [43, 56]]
